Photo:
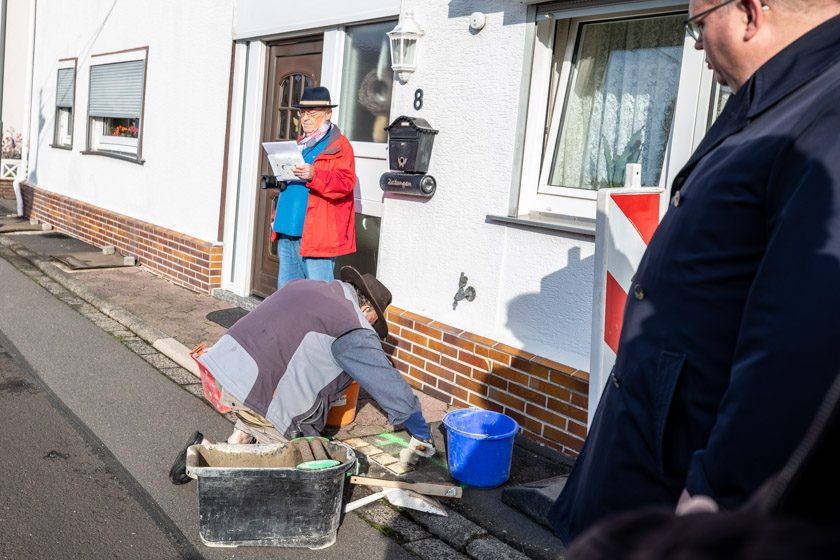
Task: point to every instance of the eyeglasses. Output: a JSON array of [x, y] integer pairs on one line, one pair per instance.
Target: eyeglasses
[[694, 24], [303, 112]]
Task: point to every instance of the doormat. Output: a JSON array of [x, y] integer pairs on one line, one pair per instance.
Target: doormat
[[88, 260], [226, 317]]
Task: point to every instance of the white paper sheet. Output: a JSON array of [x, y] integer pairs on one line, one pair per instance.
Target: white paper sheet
[[283, 156]]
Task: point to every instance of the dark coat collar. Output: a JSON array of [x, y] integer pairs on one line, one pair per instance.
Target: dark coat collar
[[332, 141], [795, 65]]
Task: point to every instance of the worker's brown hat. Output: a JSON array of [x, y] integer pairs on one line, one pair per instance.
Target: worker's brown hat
[[378, 295]]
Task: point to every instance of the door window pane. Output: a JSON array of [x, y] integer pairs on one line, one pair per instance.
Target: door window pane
[[366, 257], [289, 91], [367, 82], [620, 101]]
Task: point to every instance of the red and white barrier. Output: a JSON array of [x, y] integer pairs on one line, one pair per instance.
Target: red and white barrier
[[627, 218]]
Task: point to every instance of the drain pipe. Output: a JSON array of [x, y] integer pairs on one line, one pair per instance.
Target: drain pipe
[[23, 171], [2, 58]]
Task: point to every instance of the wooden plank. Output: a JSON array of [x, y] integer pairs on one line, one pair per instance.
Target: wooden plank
[[428, 488]]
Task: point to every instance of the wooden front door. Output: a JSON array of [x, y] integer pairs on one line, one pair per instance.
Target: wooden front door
[[291, 67]]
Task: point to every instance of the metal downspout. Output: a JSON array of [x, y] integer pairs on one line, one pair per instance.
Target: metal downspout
[[23, 171]]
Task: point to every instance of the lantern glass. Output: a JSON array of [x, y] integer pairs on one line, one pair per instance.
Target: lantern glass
[[409, 44], [396, 51]]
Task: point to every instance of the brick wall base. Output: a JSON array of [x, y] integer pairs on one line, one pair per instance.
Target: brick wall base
[[7, 190], [185, 260], [546, 398]]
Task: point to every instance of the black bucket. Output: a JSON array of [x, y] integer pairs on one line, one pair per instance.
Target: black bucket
[[254, 495]]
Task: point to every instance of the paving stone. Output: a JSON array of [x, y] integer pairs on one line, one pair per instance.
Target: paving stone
[[52, 286], [138, 346], [123, 334], [390, 443], [89, 311], [403, 528], [159, 361], [71, 300], [385, 460], [108, 324], [366, 449], [535, 498], [456, 529], [491, 548], [433, 549], [179, 375], [196, 389], [356, 442], [399, 469]]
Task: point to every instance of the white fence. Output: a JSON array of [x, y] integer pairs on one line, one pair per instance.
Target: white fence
[[9, 168]]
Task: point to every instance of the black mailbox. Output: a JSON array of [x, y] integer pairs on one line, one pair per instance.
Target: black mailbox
[[410, 144]]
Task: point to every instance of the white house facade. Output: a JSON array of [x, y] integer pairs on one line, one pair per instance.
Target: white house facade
[[537, 106]]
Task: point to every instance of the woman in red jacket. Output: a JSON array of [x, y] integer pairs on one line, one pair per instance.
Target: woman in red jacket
[[307, 247]]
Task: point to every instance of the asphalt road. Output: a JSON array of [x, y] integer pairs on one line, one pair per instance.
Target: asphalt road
[[89, 431], [62, 493]]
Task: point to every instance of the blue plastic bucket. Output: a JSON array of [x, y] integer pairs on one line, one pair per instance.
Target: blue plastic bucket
[[479, 446]]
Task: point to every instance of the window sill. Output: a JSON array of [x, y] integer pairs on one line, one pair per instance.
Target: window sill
[[114, 156], [62, 146], [567, 224]]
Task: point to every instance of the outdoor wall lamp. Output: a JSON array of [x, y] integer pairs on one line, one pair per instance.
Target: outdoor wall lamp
[[403, 39]]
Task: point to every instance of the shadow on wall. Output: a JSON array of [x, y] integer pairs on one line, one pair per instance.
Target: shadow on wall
[[561, 310], [33, 154]]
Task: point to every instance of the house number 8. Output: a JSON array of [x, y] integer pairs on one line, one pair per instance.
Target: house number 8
[[418, 99]]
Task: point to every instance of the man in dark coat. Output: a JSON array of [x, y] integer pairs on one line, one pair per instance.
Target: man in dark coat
[[731, 329], [795, 514]]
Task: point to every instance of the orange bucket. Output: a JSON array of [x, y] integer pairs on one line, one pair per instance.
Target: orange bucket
[[343, 411]]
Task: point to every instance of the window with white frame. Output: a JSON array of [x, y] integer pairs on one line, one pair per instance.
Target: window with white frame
[[367, 80], [610, 85], [64, 93], [115, 107]]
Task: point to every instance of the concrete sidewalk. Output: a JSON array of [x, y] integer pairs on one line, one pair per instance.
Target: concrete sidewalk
[[161, 322]]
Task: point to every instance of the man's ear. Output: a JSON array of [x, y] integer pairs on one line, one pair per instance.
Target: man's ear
[[755, 13]]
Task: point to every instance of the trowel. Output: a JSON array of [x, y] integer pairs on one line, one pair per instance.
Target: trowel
[[401, 498]]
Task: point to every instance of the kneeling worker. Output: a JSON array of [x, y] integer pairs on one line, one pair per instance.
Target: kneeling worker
[[282, 365]]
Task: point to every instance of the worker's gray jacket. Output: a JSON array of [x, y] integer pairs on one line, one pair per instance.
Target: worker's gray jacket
[[278, 360]]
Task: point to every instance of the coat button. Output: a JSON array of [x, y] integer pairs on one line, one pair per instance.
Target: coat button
[[616, 382], [638, 292], [675, 200]]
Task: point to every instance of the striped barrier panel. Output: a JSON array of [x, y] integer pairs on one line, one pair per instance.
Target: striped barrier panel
[[626, 220]]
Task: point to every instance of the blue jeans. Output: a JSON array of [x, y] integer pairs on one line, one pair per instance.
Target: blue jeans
[[294, 267]]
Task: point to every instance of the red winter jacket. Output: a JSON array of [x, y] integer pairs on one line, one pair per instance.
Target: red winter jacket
[[330, 227]]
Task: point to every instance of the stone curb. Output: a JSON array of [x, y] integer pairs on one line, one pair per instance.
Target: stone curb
[[159, 340]]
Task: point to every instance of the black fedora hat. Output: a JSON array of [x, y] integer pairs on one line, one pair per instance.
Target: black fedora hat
[[315, 97], [378, 295]]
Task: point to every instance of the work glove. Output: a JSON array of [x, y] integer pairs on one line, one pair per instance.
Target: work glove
[[416, 448]]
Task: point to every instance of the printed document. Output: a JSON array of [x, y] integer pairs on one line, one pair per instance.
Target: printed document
[[283, 156]]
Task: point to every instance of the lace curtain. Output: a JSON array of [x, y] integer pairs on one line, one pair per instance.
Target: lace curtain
[[620, 102]]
